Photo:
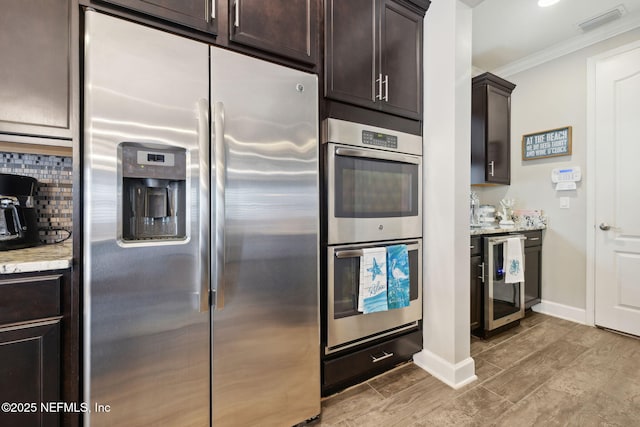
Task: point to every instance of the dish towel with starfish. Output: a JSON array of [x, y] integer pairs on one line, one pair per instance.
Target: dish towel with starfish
[[398, 276], [513, 265], [372, 295]]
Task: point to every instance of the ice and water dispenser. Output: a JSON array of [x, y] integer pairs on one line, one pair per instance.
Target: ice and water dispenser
[[153, 191]]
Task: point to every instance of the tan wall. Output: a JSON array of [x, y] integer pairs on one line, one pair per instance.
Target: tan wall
[[552, 95]]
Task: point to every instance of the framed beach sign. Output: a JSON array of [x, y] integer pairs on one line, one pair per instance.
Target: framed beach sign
[[549, 143]]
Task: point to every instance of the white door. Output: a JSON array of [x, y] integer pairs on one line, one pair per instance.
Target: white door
[[617, 190]]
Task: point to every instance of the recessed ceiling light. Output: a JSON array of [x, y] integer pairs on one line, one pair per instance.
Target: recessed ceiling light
[[545, 3]]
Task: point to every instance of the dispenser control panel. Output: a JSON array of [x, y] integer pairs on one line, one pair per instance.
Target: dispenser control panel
[[160, 162], [155, 158]]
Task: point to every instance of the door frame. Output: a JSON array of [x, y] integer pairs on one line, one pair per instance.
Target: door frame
[[591, 175]]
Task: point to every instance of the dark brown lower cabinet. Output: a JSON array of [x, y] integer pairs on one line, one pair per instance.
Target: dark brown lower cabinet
[[39, 350], [30, 373], [532, 268], [352, 366]]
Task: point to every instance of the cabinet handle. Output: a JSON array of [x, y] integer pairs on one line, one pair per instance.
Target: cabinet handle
[[482, 274], [379, 81], [386, 88], [471, 247], [533, 239], [236, 21], [213, 9], [385, 355], [491, 165]]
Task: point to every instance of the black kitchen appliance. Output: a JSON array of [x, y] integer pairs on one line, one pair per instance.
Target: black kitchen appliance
[[504, 303], [18, 218]]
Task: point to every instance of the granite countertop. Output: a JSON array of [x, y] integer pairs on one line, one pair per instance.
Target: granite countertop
[[39, 258], [496, 229]]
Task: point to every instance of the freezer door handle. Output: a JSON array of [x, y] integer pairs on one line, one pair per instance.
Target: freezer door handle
[[203, 146], [218, 175]]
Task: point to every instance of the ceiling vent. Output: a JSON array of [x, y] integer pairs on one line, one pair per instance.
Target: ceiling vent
[[602, 18]]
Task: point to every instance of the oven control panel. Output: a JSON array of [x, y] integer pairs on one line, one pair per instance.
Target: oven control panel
[[379, 139]]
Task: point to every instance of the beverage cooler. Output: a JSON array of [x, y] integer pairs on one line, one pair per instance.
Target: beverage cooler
[[503, 280]]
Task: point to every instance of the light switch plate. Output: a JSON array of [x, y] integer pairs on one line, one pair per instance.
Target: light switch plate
[[565, 203]]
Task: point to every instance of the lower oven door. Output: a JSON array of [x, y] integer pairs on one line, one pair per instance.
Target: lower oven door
[[346, 326]]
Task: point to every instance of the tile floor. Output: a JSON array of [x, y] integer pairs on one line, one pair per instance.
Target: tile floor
[[545, 372]]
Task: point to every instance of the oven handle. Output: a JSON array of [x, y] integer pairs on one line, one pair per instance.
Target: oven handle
[[353, 253], [367, 154]]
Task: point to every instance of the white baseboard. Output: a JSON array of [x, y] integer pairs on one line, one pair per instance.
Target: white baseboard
[[567, 312], [454, 375]]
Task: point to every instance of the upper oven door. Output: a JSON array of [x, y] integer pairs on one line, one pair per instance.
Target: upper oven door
[[372, 195]]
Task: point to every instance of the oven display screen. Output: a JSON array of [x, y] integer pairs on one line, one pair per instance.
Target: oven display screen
[[379, 139]]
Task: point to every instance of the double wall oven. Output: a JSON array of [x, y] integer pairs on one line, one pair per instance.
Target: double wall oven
[[373, 199]]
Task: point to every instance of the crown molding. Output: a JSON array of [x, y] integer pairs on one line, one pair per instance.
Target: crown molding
[[628, 23]]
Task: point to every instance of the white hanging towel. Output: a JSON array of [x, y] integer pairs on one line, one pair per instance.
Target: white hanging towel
[[372, 295], [512, 263]]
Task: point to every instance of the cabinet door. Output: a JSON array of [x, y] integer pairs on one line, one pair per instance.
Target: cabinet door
[[498, 142], [286, 27], [476, 292], [350, 57], [35, 47], [532, 269], [30, 372], [198, 14], [401, 60]]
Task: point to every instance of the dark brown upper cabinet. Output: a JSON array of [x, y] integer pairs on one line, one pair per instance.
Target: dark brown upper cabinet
[[491, 130], [36, 72], [288, 28], [282, 31], [373, 54], [198, 14]]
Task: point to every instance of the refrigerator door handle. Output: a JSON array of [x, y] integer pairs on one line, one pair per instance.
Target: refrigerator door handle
[[218, 163], [203, 143]]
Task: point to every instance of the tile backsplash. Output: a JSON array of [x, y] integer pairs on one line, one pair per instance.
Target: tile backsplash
[[53, 196]]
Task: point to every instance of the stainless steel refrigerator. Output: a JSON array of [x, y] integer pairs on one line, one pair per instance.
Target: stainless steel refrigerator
[[200, 243]]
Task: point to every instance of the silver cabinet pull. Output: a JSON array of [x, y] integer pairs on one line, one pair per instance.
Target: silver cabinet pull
[[533, 239], [492, 166], [604, 226], [482, 272], [385, 355], [213, 9], [386, 88], [379, 81], [236, 20]]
